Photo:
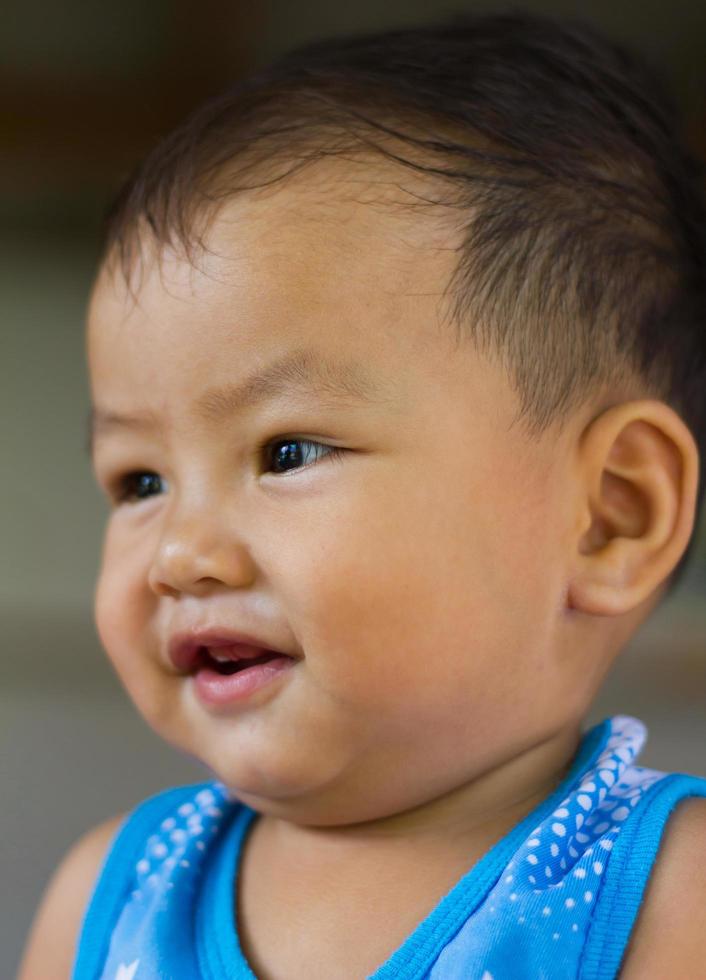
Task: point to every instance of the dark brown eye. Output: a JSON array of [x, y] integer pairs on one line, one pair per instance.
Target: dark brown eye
[[138, 485], [285, 455]]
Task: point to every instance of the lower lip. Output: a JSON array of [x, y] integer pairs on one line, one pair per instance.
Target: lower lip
[[214, 688]]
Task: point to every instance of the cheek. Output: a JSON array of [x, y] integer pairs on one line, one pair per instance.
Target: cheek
[[425, 605], [119, 598], [122, 611], [396, 607]]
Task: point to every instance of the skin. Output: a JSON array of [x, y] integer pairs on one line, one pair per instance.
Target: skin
[[455, 592]]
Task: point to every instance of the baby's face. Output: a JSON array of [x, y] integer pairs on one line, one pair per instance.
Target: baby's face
[[406, 552]]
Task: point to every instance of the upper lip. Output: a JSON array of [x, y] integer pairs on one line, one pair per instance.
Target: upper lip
[[185, 647]]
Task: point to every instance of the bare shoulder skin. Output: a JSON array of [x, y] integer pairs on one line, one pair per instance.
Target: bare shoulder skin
[[669, 937], [51, 945]]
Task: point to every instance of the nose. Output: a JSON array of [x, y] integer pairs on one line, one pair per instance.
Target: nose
[[196, 554]]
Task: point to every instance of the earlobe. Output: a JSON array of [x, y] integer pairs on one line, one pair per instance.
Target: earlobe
[[638, 475]]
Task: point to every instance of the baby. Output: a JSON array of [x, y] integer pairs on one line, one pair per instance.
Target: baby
[[397, 361]]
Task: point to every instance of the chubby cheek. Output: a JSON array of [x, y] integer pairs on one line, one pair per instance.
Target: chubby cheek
[[424, 621], [122, 613], [401, 615]]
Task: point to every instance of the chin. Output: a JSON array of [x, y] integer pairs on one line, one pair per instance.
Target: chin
[[273, 782]]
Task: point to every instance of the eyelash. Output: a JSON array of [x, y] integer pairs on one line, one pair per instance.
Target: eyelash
[[127, 483]]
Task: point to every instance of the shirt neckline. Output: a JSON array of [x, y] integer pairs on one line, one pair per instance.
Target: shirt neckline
[[218, 943]]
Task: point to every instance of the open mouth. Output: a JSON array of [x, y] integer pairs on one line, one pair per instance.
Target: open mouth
[[233, 666]]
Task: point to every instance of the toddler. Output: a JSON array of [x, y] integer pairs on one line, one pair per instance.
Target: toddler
[[397, 357]]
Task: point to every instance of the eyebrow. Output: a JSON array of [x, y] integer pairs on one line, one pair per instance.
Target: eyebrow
[[299, 370]]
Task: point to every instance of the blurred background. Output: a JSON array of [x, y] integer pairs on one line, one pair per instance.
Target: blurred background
[[85, 89]]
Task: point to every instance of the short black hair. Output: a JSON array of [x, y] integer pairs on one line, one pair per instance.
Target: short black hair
[[559, 151]]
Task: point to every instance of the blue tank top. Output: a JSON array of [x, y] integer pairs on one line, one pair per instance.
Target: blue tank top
[[555, 898]]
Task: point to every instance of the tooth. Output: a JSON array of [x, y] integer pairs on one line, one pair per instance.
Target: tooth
[[219, 658]]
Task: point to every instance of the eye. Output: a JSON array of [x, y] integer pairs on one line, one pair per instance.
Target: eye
[[138, 485], [280, 456], [288, 454]]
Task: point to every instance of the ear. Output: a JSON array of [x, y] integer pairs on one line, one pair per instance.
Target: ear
[[638, 466]]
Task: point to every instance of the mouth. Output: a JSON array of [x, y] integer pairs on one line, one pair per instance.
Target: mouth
[[222, 650], [230, 660], [221, 680], [226, 667]]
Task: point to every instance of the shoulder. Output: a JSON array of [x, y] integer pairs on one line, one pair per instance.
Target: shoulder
[[51, 945], [669, 936]]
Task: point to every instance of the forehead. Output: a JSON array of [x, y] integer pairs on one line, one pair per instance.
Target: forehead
[[336, 235], [350, 267]]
